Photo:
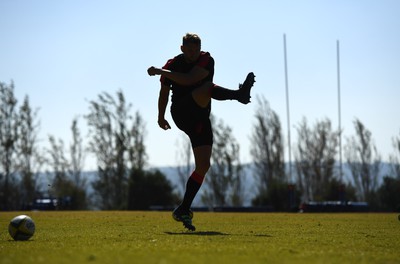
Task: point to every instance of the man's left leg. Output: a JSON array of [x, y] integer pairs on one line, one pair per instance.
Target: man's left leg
[[204, 93]]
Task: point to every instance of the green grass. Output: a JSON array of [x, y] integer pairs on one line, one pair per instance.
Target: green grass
[[153, 237]]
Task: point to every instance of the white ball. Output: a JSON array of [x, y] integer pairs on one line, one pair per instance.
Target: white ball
[[21, 227]]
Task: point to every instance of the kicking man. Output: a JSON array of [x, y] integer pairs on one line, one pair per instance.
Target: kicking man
[[190, 78]]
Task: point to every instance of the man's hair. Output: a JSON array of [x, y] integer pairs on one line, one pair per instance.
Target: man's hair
[[191, 38]]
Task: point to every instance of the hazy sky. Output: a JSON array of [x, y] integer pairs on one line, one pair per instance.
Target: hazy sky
[[64, 53]]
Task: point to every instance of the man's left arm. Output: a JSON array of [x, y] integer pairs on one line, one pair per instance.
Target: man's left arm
[[194, 76]]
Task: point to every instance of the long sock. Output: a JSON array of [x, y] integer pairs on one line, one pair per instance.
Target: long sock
[[221, 93], [192, 187]]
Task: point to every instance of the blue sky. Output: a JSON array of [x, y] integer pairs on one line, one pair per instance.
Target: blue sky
[[64, 53]]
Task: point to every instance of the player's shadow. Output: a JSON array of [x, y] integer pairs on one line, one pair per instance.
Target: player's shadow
[[198, 233]]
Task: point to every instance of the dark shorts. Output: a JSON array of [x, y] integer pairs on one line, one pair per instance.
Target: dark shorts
[[193, 120]]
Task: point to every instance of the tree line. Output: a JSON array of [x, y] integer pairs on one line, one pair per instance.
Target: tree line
[[123, 181]]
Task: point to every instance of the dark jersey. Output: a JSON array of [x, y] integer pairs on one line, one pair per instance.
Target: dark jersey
[[179, 64]]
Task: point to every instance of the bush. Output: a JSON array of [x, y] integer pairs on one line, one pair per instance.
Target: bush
[[149, 189]]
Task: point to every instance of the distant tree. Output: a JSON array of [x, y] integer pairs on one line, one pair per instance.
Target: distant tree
[[185, 167], [77, 156], [364, 162], [267, 152], [9, 191], [30, 160], [335, 188], [395, 158], [145, 188], [68, 183], [58, 167], [315, 159], [150, 188], [136, 147], [108, 129], [78, 184], [117, 140], [388, 193], [224, 179]]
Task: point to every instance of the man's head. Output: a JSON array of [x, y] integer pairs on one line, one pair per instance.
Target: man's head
[[191, 46], [191, 38]]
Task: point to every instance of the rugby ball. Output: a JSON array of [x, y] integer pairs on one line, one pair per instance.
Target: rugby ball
[[21, 227]]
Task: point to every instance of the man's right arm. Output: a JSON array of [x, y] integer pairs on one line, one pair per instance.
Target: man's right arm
[[162, 106]]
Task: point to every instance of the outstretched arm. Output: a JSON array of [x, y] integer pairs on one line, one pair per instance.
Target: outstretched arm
[[162, 105], [195, 75]]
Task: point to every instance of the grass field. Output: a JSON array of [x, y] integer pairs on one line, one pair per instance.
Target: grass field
[[153, 237]]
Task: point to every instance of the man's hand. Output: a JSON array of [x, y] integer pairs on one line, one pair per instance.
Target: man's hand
[[153, 71], [164, 124]]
